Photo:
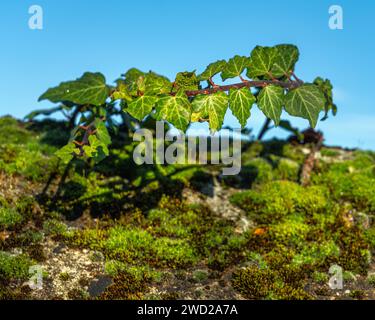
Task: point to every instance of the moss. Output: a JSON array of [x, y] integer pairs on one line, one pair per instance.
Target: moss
[[14, 267], [351, 181], [256, 283], [125, 286], [273, 201], [328, 152], [355, 255], [291, 231], [371, 279], [257, 171], [9, 218], [200, 275], [348, 276], [287, 169], [320, 277], [54, 227], [64, 276], [369, 236], [135, 244], [357, 294], [317, 254]]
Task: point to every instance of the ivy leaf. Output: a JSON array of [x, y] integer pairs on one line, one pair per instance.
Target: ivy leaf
[[285, 60], [174, 109], [212, 69], [261, 61], [186, 81], [141, 106], [156, 84], [234, 67], [270, 101], [326, 87], [306, 102], [240, 102], [67, 152], [96, 149], [131, 79], [89, 89], [213, 106], [122, 91], [102, 132]]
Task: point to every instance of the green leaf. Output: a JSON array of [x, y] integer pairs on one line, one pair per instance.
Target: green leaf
[[131, 80], [102, 132], [186, 81], [234, 67], [174, 109], [89, 89], [122, 91], [240, 102], [96, 149], [261, 61], [270, 101], [213, 106], [67, 152], [326, 87], [306, 102], [156, 84], [285, 60], [212, 69], [141, 107]]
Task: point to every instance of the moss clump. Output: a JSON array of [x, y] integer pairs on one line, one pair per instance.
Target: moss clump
[[316, 254], [371, 279], [9, 218], [14, 267], [328, 152], [292, 231], [64, 276], [320, 277], [266, 283], [287, 169], [273, 201], [256, 171], [54, 227], [125, 286], [351, 181], [139, 244]]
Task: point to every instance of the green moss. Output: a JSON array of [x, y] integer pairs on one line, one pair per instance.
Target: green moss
[[135, 244], [320, 277], [64, 276], [291, 231], [316, 254], [328, 152], [351, 181], [200, 275], [274, 200], [9, 218], [54, 227], [369, 236], [287, 169], [371, 279], [14, 267], [257, 170]]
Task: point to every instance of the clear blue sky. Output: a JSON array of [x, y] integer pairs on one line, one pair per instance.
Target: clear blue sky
[[169, 36]]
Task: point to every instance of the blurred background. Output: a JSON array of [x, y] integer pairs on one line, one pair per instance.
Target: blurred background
[[167, 37]]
